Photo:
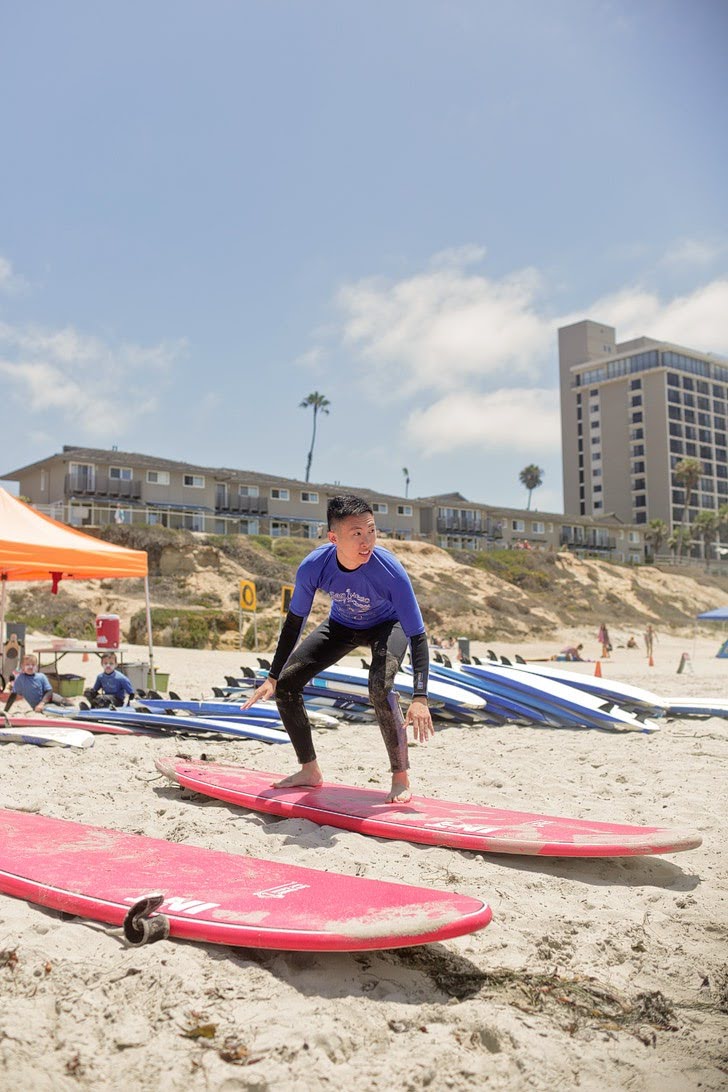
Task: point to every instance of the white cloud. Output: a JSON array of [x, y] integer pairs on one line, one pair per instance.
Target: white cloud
[[81, 380], [693, 252], [434, 330], [698, 320], [514, 418], [477, 355], [10, 282]]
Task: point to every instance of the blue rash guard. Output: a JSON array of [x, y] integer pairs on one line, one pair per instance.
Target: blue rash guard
[[378, 591], [115, 685], [31, 687]]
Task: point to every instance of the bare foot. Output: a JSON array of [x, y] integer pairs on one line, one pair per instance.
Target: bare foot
[[309, 776], [400, 792]]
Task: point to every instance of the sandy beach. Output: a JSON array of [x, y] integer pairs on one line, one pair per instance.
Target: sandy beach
[[596, 974]]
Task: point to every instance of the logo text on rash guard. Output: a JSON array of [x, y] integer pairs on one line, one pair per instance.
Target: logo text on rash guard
[[351, 602], [419, 681]]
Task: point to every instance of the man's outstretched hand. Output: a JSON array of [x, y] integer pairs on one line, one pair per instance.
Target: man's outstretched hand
[[263, 693], [419, 719]]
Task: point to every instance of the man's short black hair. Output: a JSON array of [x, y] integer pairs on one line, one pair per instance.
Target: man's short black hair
[[346, 505]]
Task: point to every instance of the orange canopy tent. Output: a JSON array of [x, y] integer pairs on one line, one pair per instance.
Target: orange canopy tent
[[35, 547]]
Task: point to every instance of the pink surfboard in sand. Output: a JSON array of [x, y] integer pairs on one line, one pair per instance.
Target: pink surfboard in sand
[[433, 822], [222, 898], [42, 721]]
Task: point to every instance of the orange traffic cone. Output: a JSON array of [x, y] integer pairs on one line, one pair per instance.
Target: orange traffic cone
[[598, 670]]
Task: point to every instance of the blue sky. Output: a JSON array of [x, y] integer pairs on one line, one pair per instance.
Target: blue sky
[[210, 209]]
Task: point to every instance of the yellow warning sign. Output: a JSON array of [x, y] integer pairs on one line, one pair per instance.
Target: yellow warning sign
[[248, 599], [286, 594]]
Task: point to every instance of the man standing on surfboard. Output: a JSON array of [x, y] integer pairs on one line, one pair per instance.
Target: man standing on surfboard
[[372, 603]]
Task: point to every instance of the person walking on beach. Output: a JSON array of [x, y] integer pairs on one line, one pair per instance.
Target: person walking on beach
[[372, 603], [649, 636], [603, 638]]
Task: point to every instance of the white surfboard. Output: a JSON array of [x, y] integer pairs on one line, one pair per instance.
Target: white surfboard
[[48, 737]]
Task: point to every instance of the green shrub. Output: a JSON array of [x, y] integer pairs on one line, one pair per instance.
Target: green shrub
[[182, 628]]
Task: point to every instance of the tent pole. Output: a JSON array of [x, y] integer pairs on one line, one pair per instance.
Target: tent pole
[[4, 581], [149, 629]]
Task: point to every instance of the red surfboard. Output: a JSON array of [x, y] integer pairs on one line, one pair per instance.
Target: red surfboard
[[222, 898], [434, 822], [42, 721]]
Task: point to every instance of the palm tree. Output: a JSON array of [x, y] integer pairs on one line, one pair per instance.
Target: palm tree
[[680, 537], [405, 471], [688, 473], [531, 477], [656, 534], [706, 528], [319, 403]]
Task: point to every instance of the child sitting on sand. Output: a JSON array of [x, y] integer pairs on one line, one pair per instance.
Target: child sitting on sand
[[113, 683]]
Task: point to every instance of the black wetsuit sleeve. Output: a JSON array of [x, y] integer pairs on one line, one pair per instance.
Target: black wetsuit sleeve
[[420, 664], [290, 632]]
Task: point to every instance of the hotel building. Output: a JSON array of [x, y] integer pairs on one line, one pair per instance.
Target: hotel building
[[630, 412]]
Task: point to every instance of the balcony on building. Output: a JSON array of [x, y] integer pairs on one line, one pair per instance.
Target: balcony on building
[[587, 538], [236, 505], [101, 485]]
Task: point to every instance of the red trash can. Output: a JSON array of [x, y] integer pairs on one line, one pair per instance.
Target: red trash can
[[108, 630]]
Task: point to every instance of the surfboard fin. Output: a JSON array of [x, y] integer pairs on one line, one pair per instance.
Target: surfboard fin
[[139, 927]]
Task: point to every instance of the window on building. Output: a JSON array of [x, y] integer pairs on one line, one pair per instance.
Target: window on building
[[404, 509], [280, 494], [379, 508], [120, 473], [194, 481], [633, 537], [157, 477], [640, 500], [278, 529], [538, 528], [518, 525], [673, 380], [636, 417], [636, 400], [83, 475], [248, 491], [638, 467], [639, 483], [308, 497]]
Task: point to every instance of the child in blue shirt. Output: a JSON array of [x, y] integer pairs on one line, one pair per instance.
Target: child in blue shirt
[[31, 685], [372, 603], [111, 682]]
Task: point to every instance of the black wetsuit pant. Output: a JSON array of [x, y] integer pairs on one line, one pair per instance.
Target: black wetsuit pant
[[324, 647]]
